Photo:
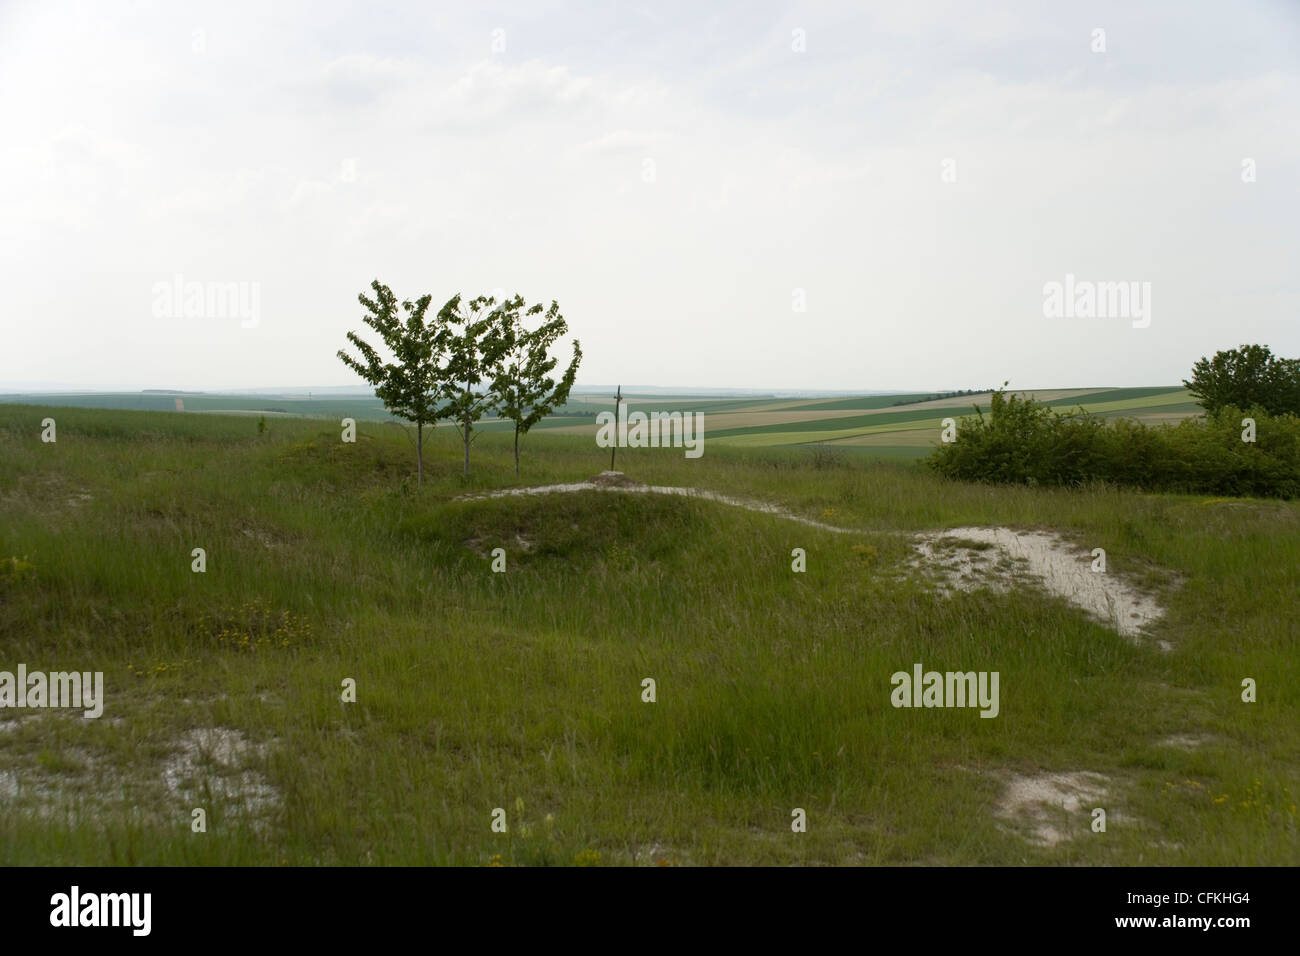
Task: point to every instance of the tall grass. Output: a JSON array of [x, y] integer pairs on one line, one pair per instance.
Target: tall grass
[[522, 690]]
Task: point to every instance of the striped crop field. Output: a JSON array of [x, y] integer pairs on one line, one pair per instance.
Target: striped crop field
[[898, 425]]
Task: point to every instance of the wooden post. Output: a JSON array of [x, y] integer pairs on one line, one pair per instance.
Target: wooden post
[[614, 444]]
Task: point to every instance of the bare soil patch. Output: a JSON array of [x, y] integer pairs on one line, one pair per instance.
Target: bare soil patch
[[1047, 809], [1002, 558]]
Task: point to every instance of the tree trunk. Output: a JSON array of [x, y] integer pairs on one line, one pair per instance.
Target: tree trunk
[[467, 430], [516, 449], [419, 453]]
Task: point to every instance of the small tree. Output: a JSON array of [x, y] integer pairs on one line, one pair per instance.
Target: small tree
[[472, 352], [409, 386], [522, 387], [1247, 377]]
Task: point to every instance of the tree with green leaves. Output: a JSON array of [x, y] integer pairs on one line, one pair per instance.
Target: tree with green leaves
[[410, 386], [474, 347], [522, 387], [1247, 377]]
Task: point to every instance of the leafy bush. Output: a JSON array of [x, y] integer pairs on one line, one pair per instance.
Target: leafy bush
[[1023, 441], [1247, 377], [823, 457]]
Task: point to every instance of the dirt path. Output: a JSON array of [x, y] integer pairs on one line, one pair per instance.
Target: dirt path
[[616, 481], [967, 558]]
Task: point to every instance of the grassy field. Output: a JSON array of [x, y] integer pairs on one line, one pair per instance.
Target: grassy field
[[522, 690]]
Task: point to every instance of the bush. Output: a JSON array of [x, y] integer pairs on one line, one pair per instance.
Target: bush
[[823, 457], [1023, 441], [1247, 377]]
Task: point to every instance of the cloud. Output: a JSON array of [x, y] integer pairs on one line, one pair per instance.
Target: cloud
[[317, 148]]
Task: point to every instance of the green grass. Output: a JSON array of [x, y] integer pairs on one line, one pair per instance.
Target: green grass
[[522, 690], [271, 405]]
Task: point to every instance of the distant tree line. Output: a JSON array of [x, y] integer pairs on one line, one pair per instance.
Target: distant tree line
[[930, 398], [468, 360]]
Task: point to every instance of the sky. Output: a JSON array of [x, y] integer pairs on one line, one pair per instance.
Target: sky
[[741, 194]]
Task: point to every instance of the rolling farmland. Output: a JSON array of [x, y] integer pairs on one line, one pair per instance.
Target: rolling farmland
[[872, 424]]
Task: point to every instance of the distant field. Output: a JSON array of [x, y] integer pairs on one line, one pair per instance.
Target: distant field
[[892, 426], [362, 409], [911, 430], [880, 426]]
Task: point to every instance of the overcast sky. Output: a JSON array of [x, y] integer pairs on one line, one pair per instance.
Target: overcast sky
[[681, 177]]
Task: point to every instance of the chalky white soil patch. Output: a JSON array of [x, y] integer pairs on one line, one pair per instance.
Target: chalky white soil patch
[[203, 765], [655, 854], [1050, 808], [9, 726], [213, 761], [1042, 558]]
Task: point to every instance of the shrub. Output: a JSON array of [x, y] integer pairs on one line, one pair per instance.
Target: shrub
[[1247, 377], [823, 457], [1023, 441]]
